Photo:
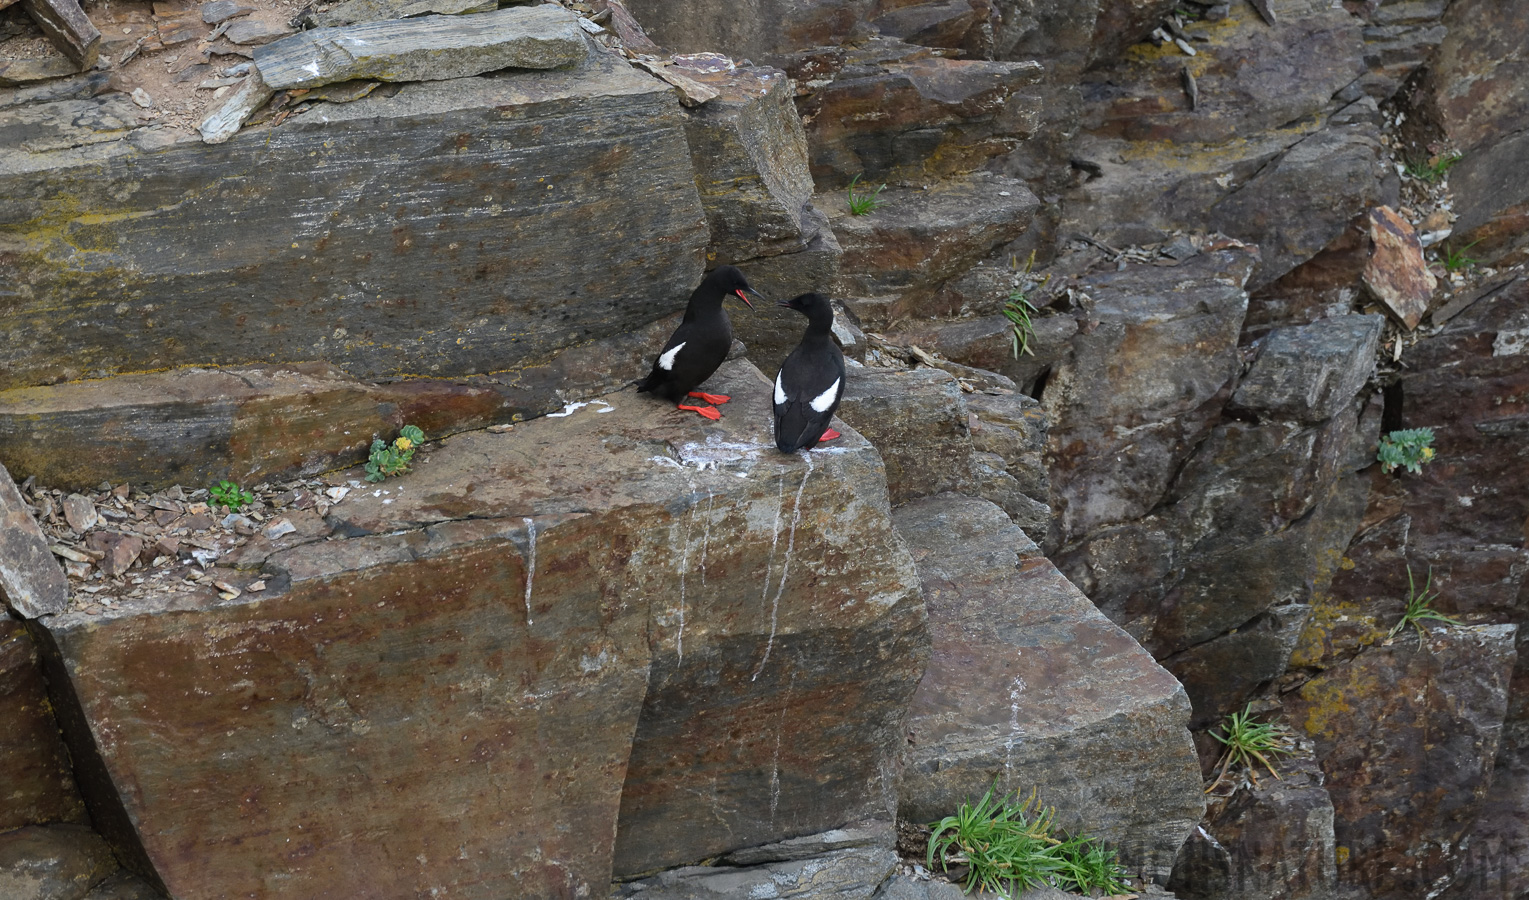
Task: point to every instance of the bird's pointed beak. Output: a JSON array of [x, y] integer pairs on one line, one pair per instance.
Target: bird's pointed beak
[[745, 299], [785, 303]]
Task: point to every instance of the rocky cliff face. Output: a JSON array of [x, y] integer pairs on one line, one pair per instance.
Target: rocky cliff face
[[1145, 285]]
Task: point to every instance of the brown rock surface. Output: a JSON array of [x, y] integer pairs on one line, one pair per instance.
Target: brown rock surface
[[1141, 384], [750, 155], [1396, 272], [1272, 840], [559, 687], [39, 785], [1430, 707]]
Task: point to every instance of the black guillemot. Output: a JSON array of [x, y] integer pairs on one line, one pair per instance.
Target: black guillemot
[[811, 381], [699, 345]]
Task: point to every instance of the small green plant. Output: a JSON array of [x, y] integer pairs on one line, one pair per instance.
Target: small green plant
[[860, 204], [1419, 609], [1407, 449], [1455, 259], [1010, 846], [1432, 169], [393, 459], [229, 495], [1247, 740], [1018, 309]]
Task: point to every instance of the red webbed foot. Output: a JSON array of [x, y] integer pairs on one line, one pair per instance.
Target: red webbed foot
[[829, 435], [703, 411], [715, 399]]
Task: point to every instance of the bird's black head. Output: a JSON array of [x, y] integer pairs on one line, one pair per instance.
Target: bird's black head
[[814, 306], [725, 280]]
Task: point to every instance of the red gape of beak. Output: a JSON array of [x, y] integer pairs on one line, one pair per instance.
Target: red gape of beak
[[739, 292]]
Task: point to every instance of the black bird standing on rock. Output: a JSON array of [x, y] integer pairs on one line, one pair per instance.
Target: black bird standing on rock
[[699, 345], [811, 381]]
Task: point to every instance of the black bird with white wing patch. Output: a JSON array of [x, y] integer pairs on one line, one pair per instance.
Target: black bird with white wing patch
[[811, 381], [699, 345]]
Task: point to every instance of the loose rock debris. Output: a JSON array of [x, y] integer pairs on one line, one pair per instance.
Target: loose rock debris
[[119, 544]]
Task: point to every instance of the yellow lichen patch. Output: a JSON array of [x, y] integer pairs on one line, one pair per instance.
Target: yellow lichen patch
[[1329, 707]]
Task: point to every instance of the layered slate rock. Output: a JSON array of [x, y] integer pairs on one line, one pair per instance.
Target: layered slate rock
[[620, 612], [252, 423], [1308, 373], [847, 874], [917, 419], [277, 247], [779, 685], [1141, 383], [428, 48], [1272, 840], [1475, 92], [907, 248], [751, 164], [39, 785], [1430, 706], [1031, 685], [899, 113], [1262, 156], [31, 581]]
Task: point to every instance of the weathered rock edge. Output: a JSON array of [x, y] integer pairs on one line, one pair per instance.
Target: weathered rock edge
[[525, 590]]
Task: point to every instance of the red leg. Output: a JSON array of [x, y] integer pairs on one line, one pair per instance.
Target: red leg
[[717, 399], [704, 411], [829, 435]]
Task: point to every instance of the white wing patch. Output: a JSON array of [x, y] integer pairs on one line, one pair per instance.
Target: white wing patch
[[666, 361], [823, 401], [780, 391]]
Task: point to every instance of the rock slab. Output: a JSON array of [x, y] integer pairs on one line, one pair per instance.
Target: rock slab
[[428, 48], [590, 639], [459, 267], [1031, 685], [31, 581]]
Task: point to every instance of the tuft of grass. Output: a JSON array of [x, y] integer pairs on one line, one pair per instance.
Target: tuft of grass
[[1419, 609], [393, 459], [1407, 448], [1011, 845], [1432, 169], [229, 495], [1248, 741], [1017, 308], [860, 204], [1455, 259]]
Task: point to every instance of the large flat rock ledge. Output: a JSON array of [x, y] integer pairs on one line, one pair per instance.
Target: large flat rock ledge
[[464, 226], [617, 639], [1029, 685]]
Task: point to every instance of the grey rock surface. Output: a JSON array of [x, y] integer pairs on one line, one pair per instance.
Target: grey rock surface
[[1308, 373], [1141, 384], [751, 165], [31, 580], [429, 48], [277, 259], [917, 420], [1031, 685], [842, 874]]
